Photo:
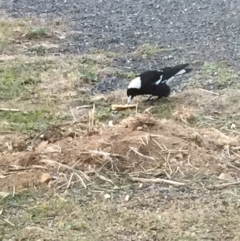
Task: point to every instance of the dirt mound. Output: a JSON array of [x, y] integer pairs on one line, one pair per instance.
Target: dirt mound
[[135, 146]]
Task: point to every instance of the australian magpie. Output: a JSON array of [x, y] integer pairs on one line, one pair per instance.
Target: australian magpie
[[155, 82]]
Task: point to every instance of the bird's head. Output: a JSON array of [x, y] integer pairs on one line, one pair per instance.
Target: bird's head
[[133, 88], [130, 95]]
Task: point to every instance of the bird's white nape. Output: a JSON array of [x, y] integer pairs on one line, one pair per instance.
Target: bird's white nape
[[135, 83]]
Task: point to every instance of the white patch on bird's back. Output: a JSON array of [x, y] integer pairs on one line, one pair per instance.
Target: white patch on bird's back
[[159, 81], [169, 80], [135, 83], [183, 71]]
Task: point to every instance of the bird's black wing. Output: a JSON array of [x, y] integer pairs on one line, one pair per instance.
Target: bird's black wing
[[169, 72], [150, 77]]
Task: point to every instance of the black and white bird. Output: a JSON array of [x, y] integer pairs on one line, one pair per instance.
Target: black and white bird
[[155, 82]]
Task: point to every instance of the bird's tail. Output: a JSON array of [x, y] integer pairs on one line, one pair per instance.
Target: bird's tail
[[180, 69], [170, 72]]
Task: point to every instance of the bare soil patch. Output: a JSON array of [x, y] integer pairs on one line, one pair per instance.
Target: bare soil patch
[[136, 146]]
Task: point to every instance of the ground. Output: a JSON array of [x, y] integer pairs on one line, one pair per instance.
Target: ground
[[72, 169]]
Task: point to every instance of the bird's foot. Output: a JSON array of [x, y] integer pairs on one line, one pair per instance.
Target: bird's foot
[[154, 100], [151, 100]]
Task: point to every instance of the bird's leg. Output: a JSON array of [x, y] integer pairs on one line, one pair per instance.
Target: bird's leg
[[155, 99], [148, 99]]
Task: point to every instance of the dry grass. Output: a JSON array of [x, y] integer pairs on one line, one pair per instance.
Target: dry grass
[[148, 50], [117, 96], [26, 35], [184, 113], [141, 144]]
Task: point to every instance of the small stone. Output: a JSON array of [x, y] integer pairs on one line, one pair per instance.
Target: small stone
[[107, 196], [173, 160], [139, 128], [179, 156], [42, 146], [225, 176], [45, 178]]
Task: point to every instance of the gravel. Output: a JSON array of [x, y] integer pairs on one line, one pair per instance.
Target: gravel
[[198, 30]]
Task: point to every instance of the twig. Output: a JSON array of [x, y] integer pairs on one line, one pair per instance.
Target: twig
[[104, 179], [14, 191], [208, 117], [74, 117], [209, 91], [83, 106], [189, 163], [7, 132], [11, 110], [10, 223], [148, 110], [81, 180], [231, 165], [77, 120], [91, 116], [166, 159], [124, 107], [233, 131], [37, 136], [70, 180], [140, 154], [136, 108], [145, 171], [19, 168], [102, 153], [67, 167], [157, 180], [226, 185]]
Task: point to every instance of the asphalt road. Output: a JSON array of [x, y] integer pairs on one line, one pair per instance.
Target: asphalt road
[[198, 30]]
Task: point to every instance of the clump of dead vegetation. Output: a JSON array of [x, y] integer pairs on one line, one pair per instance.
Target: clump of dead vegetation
[[140, 146]]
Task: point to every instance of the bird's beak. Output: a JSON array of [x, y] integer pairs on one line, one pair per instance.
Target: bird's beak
[[129, 99]]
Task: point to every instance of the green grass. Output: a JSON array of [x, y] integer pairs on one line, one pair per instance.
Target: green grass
[[129, 75], [25, 122], [37, 32], [164, 108], [38, 50], [18, 79], [145, 217], [148, 50], [16, 35], [31, 84], [222, 74], [89, 68]]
